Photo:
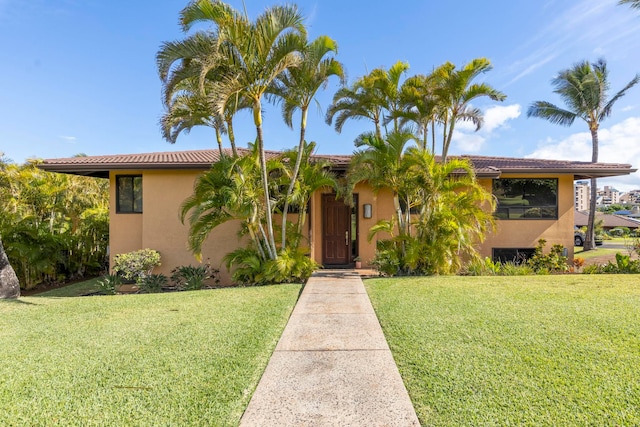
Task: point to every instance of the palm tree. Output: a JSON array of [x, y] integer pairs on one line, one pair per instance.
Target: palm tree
[[584, 90], [253, 55], [455, 93], [296, 88], [635, 4], [180, 65], [454, 211], [419, 105], [369, 98], [379, 162]]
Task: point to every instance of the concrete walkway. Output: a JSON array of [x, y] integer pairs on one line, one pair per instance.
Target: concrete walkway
[[332, 365]]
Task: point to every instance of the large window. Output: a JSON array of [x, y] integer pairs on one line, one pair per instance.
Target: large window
[[529, 198], [514, 255], [129, 193]]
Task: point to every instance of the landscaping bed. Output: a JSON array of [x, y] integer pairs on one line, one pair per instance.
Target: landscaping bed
[[534, 350]]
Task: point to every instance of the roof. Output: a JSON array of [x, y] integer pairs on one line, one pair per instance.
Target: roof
[[609, 221], [485, 167]]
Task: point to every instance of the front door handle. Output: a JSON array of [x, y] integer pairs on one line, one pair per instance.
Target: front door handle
[[346, 238]]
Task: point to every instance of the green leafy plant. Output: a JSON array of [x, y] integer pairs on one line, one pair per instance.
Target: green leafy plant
[[136, 265], [291, 266], [553, 262], [109, 283], [153, 283], [623, 265], [188, 277]]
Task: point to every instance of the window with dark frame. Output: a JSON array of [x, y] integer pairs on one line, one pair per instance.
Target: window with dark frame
[[129, 194], [526, 198]]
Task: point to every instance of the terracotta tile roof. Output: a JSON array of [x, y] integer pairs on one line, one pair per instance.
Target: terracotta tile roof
[[201, 159]]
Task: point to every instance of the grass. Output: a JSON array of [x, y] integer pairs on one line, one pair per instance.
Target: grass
[[543, 351], [598, 252], [184, 358], [74, 290]]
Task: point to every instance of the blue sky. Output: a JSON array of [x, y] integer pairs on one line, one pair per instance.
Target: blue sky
[[79, 76]]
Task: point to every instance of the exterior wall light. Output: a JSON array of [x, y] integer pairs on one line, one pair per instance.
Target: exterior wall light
[[367, 210]]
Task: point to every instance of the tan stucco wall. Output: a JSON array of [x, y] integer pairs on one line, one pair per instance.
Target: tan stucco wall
[[526, 233], [159, 226]]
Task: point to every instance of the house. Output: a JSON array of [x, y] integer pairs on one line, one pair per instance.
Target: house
[[535, 200], [609, 221]]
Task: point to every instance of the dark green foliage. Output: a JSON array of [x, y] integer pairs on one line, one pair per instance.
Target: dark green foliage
[[291, 266], [153, 283], [553, 262], [623, 265], [189, 278], [109, 283], [54, 226]]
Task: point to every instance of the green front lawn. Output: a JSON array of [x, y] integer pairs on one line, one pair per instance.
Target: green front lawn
[[184, 358], [537, 350]]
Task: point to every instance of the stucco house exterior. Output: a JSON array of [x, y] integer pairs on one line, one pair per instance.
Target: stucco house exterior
[[535, 200]]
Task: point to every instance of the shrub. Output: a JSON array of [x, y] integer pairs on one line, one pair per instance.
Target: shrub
[[292, 266], [188, 277], [136, 265], [109, 283], [153, 283], [624, 265], [553, 262], [619, 231]]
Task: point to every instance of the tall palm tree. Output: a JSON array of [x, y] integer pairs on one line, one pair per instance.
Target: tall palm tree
[[253, 54], [419, 105], [372, 97], [180, 65], [584, 89], [296, 89], [456, 92]]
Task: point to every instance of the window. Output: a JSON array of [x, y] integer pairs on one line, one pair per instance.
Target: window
[[129, 194], [529, 198], [514, 255]]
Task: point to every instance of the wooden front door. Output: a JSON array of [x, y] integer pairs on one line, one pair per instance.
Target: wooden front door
[[336, 239]]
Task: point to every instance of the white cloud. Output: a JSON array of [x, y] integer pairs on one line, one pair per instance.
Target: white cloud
[[466, 140], [67, 138], [619, 143]]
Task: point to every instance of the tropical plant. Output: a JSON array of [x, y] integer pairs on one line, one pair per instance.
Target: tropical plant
[[292, 266], [109, 283], [152, 283], [54, 226], [441, 211], [189, 278], [296, 87], [370, 97], [249, 57], [553, 262], [455, 92], [584, 89]]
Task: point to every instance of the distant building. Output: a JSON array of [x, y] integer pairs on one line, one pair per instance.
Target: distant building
[[582, 195], [608, 196], [630, 198]]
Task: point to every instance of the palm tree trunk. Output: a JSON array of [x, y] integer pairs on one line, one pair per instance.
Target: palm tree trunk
[[294, 175], [447, 141], [232, 137], [271, 243], [589, 243], [433, 137], [219, 140], [9, 285]]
